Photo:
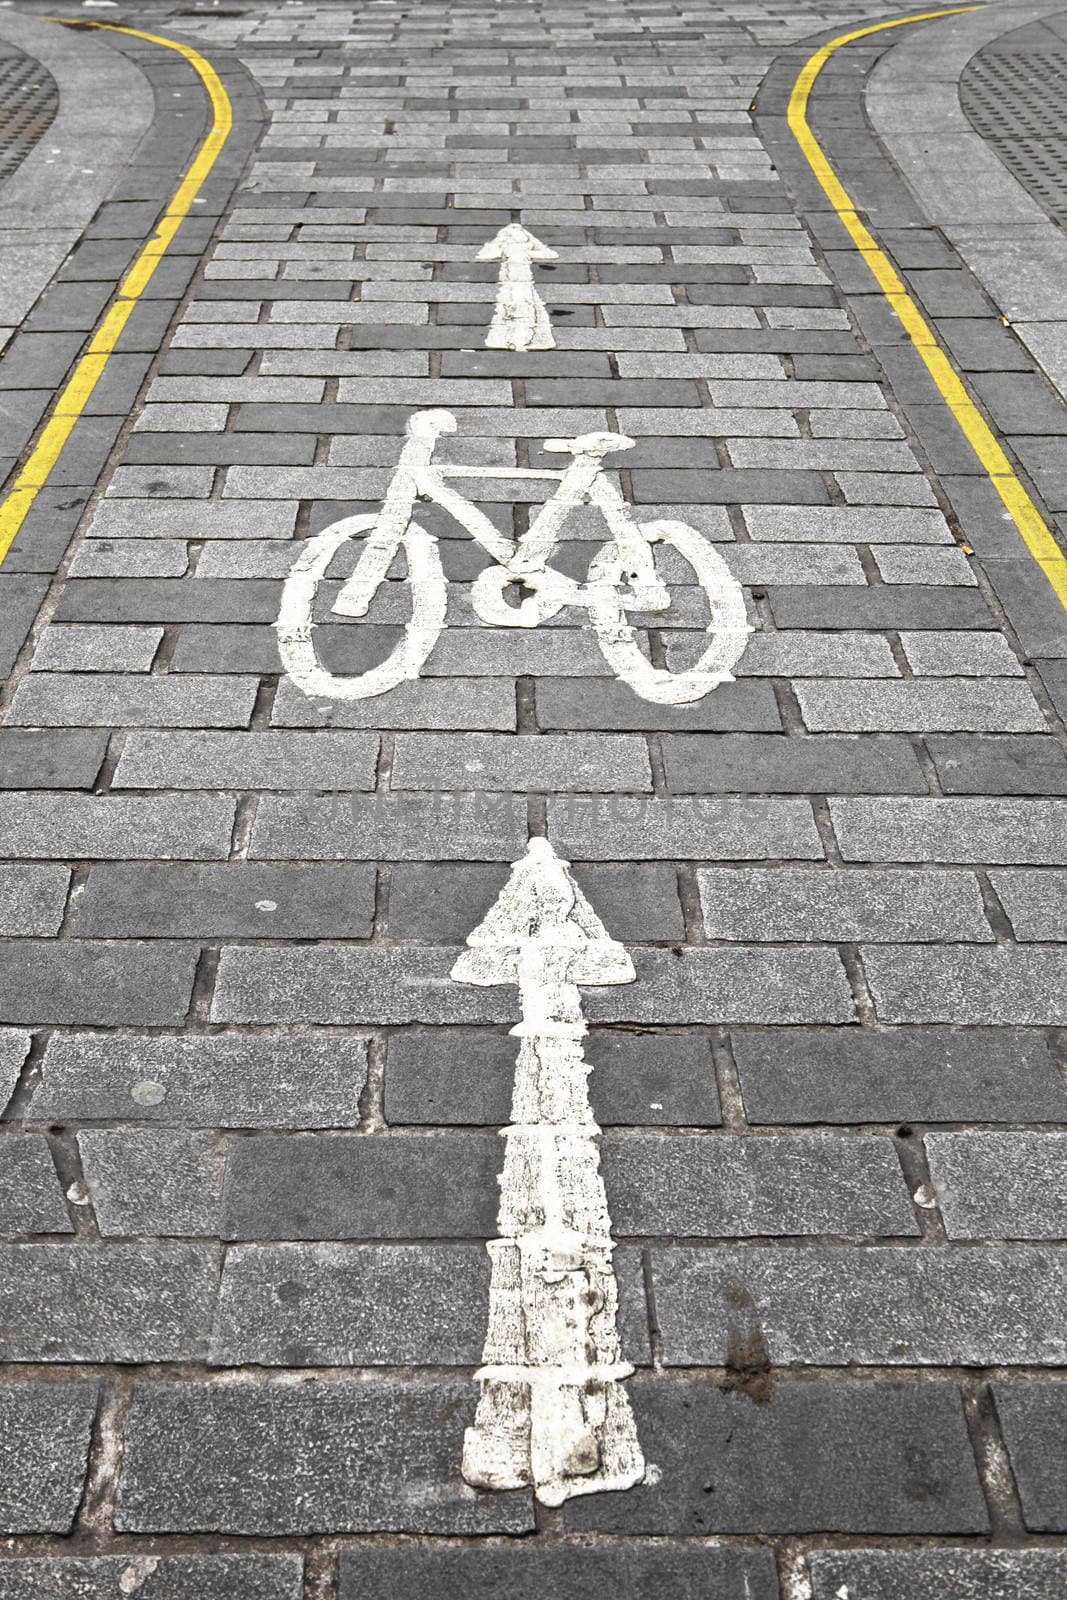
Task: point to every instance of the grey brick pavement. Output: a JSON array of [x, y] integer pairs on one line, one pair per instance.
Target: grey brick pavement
[[249, 1155]]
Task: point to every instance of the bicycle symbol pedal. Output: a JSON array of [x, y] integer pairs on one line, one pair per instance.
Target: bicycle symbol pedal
[[623, 576]]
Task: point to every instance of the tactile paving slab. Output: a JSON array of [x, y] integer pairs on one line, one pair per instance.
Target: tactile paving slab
[[1015, 95], [29, 100]]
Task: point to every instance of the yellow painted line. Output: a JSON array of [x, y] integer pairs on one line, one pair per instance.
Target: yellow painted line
[[1029, 521], [74, 396]]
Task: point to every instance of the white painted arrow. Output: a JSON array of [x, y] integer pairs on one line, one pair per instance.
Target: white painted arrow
[[520, 321], [552, 1412]]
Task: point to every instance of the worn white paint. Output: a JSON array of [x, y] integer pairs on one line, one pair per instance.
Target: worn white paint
[[552, 1412], [623, 575], [520, 321]]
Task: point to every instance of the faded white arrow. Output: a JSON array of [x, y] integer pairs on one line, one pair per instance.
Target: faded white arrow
[[552, 1412], [520, 321]]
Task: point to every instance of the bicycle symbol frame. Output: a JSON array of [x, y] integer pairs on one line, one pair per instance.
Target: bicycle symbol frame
[[622, 574]]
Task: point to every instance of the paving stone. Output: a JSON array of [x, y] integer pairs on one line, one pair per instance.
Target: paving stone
[[804, 655], [107, 1302], [825, 1456], [442, 903], [969, 1307], [166, 1577], [31, 1200], [573, 703], [708, 828], [1000, 1185], [351, 1455], [957, 983], [999, 765], [137, 700], [50, 760], [44, 1455], [237, 899], [96, 984], [963, 1573], [773, 764], [465, 1077], [1008, 832], [879, 606], [32, 899], [718, 1187], [322, 1305], [289, 760], [110, 828], [591, 763], [130, 558], [976, 655], [14, 1048], [213, 519], [453, 703], [86, 648], [156, 1181], [908, 1075], [874, 525], [1032, 1418], [1036, 903], [835, 905], [941, 705], [570, 1572], [240, 1081]]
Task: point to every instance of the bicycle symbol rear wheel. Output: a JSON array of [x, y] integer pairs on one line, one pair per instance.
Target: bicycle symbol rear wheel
[[295, 627], [728, 626]]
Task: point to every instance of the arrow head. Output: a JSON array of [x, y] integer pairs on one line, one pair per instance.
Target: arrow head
[[542, 908], [514, 242]]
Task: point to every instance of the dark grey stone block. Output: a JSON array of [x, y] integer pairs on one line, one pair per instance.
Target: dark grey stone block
[[998, 764], [44, 1449], [393, 1186], [714, 1187], [1000, 1185], [851, 1457], [571, 1572], [777, 764], [965, 1574], [909, 1075], [233, 899], [460, 1076], [31, 1200], [885, 605], [106, 1302], [99, 985], [352, 984], [153, 1181], [213, 1080], [272, 1457], [1033, 1417], [441, 902], [836, 1305], [153, 1577], [50, 758], [567, 703], [297, 1305]]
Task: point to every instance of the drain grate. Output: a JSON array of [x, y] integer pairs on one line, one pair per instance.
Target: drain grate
[[1015, 95], [29, 99]]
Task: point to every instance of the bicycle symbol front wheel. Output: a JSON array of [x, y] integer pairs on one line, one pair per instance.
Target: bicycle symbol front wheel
[[728, 626], [295, 627]]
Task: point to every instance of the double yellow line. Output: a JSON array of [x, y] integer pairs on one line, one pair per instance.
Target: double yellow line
[[74, 396], [1029, 521]]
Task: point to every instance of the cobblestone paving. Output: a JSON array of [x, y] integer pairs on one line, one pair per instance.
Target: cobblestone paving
[[249, 1158]]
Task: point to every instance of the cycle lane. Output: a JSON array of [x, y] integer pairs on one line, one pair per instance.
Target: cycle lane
[[259, 429]]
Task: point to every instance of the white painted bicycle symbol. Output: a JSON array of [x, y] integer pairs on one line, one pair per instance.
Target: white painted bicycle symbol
[[622, 577]]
